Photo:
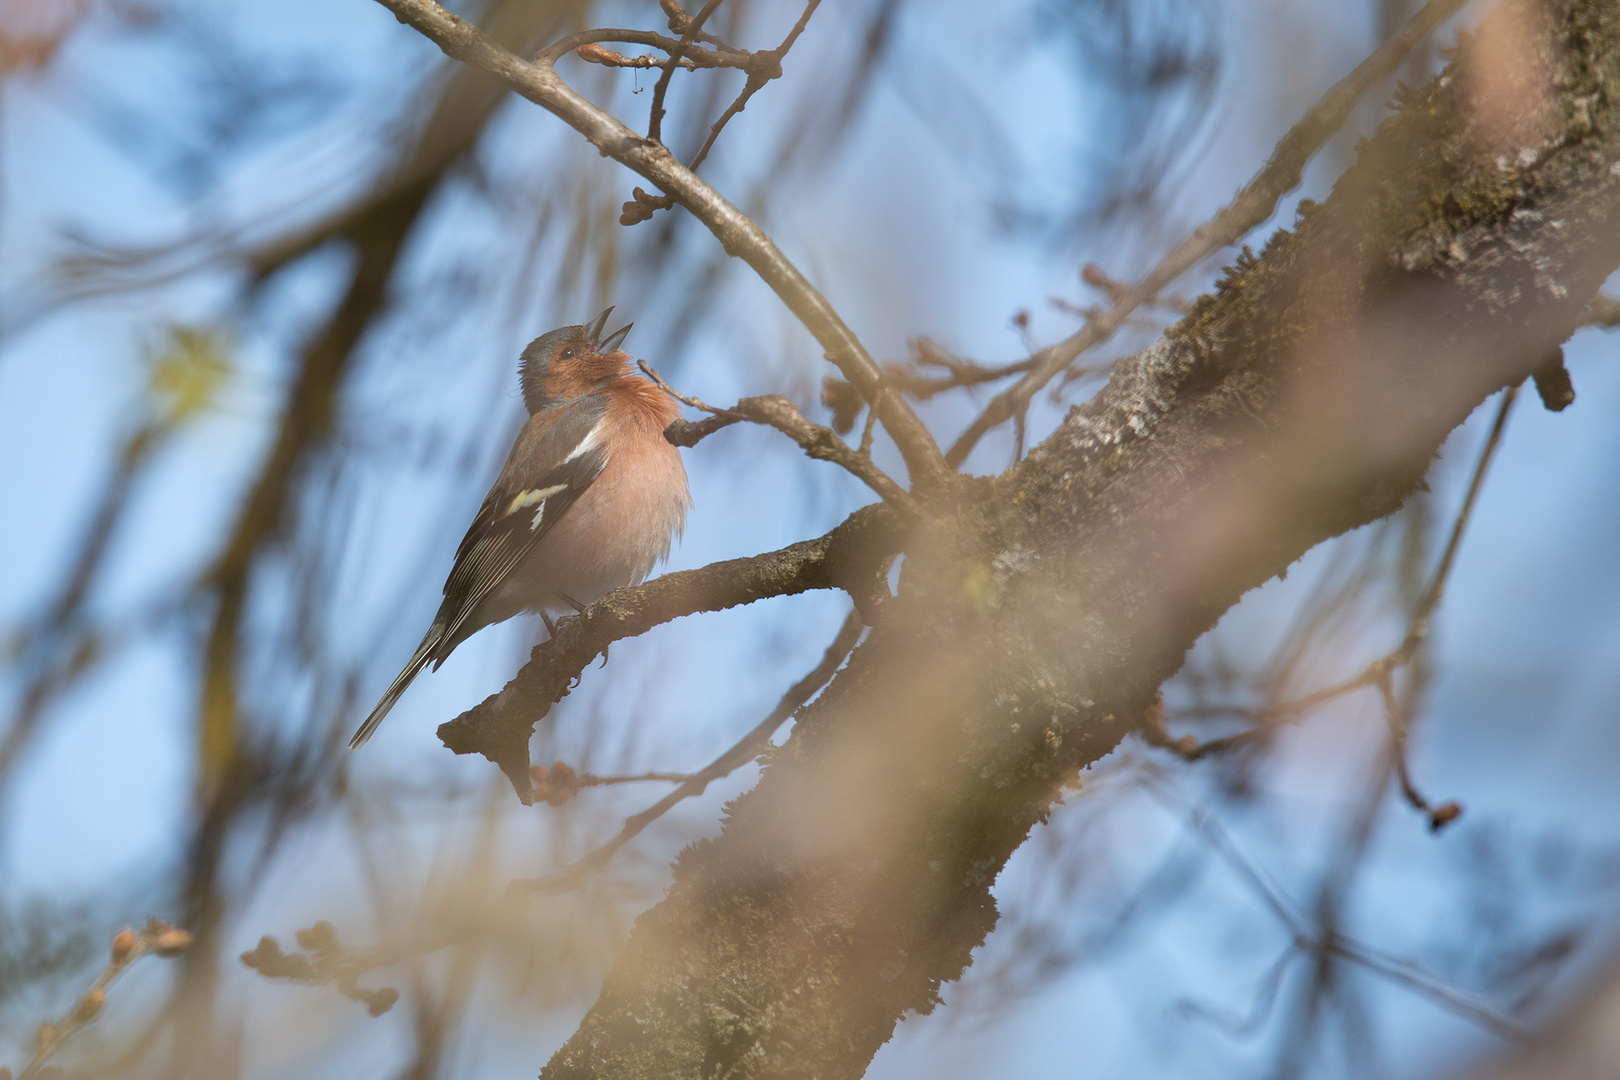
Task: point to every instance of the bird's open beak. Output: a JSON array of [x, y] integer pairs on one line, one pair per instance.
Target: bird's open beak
[[593, 330], [614, 340]]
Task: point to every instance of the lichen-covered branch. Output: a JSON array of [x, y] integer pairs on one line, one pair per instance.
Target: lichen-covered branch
[[1039, 613]]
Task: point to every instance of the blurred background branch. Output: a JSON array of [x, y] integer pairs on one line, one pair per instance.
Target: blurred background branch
[[264, 275]]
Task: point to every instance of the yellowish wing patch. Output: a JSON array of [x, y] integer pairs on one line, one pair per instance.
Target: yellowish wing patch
[[532, 496]]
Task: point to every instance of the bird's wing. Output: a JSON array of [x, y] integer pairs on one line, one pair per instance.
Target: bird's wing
[[557, 456]]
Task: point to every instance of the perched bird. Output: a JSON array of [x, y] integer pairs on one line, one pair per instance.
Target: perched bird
[[588, 500]]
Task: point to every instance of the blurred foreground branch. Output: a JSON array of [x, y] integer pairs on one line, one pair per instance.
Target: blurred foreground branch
[[156, 937]]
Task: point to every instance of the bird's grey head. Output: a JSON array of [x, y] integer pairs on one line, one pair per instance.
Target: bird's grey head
[[561, 347]]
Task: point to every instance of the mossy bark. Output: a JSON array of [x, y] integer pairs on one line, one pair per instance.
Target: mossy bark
[[1040, 611]]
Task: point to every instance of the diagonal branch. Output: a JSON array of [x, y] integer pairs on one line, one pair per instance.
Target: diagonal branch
[[817, 440], [738, 234], [1256, 202], [768, 66], [850, 557], [743, 750]]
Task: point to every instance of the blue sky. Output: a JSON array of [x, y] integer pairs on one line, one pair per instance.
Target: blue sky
[[897, 232]]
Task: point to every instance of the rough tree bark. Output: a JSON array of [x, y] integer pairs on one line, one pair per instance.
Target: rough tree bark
[[1039, 611]]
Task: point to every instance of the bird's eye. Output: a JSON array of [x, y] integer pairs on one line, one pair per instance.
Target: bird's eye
[[567, 354]]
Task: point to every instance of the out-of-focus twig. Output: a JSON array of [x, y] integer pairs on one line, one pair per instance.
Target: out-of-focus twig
[[1439, 816], [1316, 939], [1378, 673], [913, 379], [1254, 203], [127, 947], [742, 751], [326, 960]]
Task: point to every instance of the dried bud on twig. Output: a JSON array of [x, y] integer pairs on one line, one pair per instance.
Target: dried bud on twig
[[123, 942], [170, 940], [46, 1034], [322, 937], [643, 206], [599, 54], [555, 785], [844, 400], [1444, 815], [380, 1001], [91, 1005]]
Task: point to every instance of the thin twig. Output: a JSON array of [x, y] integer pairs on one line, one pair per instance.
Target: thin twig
[[1268, 719], [738, 234], [1439, 816], [580, 42], [868, 433], [742, 751], [655, 118], [766, 66], [557, 783], [1254, 203], [127, 947], [1315, 939], [818, 441], [846, 401]]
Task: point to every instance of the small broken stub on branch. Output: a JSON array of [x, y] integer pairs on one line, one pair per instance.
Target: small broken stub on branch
[[1552, 381], [643, 206]]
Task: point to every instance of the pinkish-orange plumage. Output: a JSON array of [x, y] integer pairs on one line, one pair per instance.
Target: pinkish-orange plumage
[[589, 500]]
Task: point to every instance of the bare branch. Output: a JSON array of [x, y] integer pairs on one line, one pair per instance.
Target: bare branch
[[744, 750], [1256, 202], [823, 443], [692, 28], [737, 233], [1376, 673], [127, 947], [767, 66], [847, 558]]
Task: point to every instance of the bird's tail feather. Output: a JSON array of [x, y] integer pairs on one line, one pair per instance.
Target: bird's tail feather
[[424, 653]]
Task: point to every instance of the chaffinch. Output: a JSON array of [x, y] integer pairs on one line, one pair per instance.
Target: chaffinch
[[589, 499]]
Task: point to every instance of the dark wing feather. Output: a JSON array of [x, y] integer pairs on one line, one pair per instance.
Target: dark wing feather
[[554, 461]]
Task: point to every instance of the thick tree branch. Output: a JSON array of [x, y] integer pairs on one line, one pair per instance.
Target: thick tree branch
[[1039, 614], [737, 233]]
